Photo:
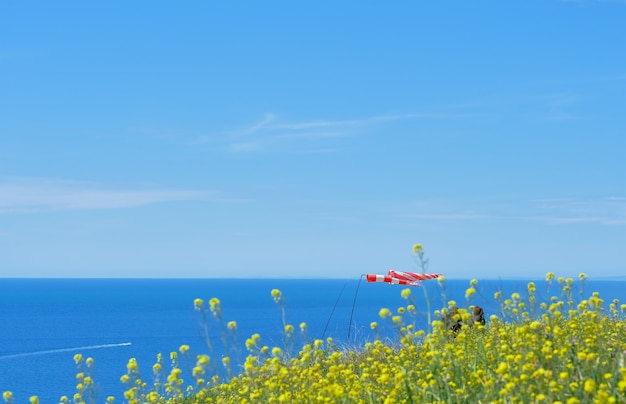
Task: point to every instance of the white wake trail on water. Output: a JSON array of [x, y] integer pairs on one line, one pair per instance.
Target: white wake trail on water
[[53, 351]]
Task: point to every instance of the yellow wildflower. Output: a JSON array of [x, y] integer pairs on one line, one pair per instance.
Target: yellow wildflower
[[417, 248], [132, 365], [214, 306], [590, 386], [277, 295], [7, 396], [198, 370]]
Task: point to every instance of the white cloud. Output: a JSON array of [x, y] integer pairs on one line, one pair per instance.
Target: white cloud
[[448, 216], [271, 134], [607, 211], [610, 211], [37, 194]]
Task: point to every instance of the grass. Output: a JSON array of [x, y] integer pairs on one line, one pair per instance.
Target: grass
[[562, 350]]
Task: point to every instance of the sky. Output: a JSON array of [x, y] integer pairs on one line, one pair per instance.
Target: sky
[[284, 139]]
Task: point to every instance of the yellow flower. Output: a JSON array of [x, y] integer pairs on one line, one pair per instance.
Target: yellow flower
[[203, 360], [132, 365], [473, 282], [582, 276], [417, 248], [549, 277], [250, 344], [198, 303], [373, 325], [7, 396], [406, 293], [34, 400], [232, 325], [470, 292], [183, 348], [198, 370], [214, 306], [303, 327], [153, 396], [384, 312], [78, 358], [590, 386], [277, 295]]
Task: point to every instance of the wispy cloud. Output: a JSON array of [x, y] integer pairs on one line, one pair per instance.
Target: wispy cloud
[[272, 134], [267, 120], [44, 194], [448, 216], [610, 211], [607, 211]]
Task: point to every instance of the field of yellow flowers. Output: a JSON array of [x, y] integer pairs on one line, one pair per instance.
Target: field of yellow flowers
[[561, 351]]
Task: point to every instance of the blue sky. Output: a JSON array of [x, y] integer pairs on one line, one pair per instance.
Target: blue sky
[[312, 139]]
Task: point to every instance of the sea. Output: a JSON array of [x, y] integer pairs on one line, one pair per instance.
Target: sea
[[45, 322]]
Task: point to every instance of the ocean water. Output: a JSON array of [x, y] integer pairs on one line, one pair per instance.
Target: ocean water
[[44, 322]]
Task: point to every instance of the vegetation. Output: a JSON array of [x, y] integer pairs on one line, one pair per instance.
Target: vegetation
[[559, 351]]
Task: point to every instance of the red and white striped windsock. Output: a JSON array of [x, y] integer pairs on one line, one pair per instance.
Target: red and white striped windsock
[[411, 276], [390, 279]]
